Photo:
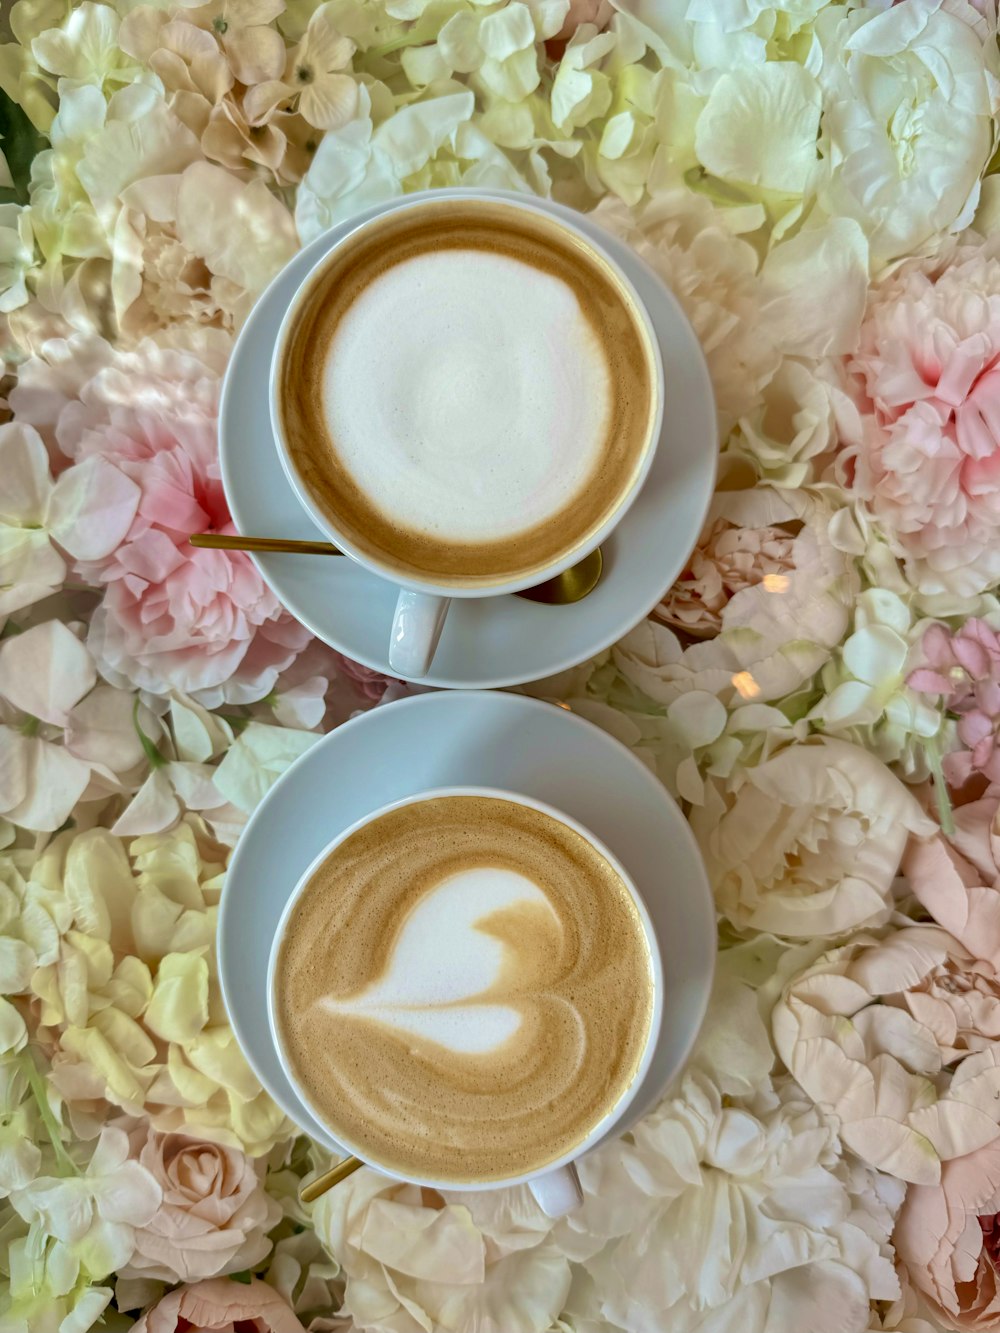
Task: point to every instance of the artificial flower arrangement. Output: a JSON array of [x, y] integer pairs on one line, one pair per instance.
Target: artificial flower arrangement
[[820, 689]]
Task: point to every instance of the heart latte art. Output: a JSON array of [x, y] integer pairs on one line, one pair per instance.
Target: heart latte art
[[464, 989]]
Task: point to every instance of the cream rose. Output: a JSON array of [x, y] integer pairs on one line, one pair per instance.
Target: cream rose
[[214, 1218]]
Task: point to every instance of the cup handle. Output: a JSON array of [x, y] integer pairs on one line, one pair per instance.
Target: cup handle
[[416, 629], [558, 1192]]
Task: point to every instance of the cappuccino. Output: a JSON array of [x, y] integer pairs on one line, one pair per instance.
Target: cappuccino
[[467, 391], [463, 989]]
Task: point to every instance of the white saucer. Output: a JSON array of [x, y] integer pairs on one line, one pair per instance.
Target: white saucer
[[492, 641], [467, 739]]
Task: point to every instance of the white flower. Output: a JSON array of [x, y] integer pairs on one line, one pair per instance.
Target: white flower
[[581, 93], [257, 759], [358, 165], [85, 49], [808, 842], [866, 685], [94, 1215], [909, 94], [714, 276], [17, 255], [314, 82], [411, 1262], [48, 1292], [791, 433], [718, 1215]]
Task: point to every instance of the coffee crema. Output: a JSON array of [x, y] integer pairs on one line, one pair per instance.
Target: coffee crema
[[466, 392], [464, 989]]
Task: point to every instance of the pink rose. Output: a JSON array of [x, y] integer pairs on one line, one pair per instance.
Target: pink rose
[[946, 1236], [172, 618], [220, 1306], [215, 1216], [726, 560], [925, 448], [371, 685]]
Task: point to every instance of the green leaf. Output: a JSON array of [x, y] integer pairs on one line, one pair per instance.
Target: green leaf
[[21, 141]]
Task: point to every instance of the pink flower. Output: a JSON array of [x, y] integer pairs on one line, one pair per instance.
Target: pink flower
[[965, 669], [172, 617], [598, 12], [215, 1216], [370, 684], [924, 451], [220, 1306], [726, 560], [946, 1236]]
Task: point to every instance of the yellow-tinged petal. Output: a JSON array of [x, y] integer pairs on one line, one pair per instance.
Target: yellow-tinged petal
[[178, 1010]]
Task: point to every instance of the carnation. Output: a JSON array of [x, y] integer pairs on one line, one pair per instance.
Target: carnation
[[171, 617], [922, 448]]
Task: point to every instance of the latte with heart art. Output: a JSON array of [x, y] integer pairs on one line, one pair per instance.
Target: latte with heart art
[[464, 989]]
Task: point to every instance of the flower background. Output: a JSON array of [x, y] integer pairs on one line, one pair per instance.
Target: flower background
[[815, 180]]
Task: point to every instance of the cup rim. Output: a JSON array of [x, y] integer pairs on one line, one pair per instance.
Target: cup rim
[[654, 354], [610, 1118]]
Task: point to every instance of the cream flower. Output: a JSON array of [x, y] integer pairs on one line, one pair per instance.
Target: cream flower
[[414, 1260], [135, 989], [17, 255], [48, 1291], [719, 1215], [714, 276], [214, 1218], [85, 49], [94, 1215], [314, 82], [909, 95], [808, 843], [873, 1031]]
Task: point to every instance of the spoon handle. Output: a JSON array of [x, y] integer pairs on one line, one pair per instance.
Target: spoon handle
[[344, 1168], [217, 541]]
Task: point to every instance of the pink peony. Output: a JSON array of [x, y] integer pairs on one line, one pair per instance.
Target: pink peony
[[924, 451], [220, 1306], [215, 1216], [965, 669], [946, 1236], [726, 560], [172, 618]]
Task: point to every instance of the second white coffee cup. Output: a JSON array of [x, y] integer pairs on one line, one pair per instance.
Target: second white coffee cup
[[556, 1185], [423, 602]]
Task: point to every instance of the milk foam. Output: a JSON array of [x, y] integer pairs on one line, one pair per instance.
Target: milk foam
[[467, 419], [440, 959]]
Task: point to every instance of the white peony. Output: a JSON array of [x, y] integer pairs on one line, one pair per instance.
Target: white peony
[[718, 1214], [909, 95], [414, 1260], [808, 843]]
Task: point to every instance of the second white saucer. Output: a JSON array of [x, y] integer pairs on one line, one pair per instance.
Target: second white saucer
[[435, 740]]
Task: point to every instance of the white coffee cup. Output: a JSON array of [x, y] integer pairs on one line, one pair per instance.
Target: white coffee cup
[[422, 604], [555, 1186]]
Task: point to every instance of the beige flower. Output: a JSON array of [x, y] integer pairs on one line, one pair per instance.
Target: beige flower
[[215, 1215], [253, 46], [313, 82], [890, 1036], [727, 559], [186, 58]]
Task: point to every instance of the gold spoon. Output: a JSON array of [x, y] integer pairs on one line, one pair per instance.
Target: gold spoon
[[344, 1168], [572, 585]]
